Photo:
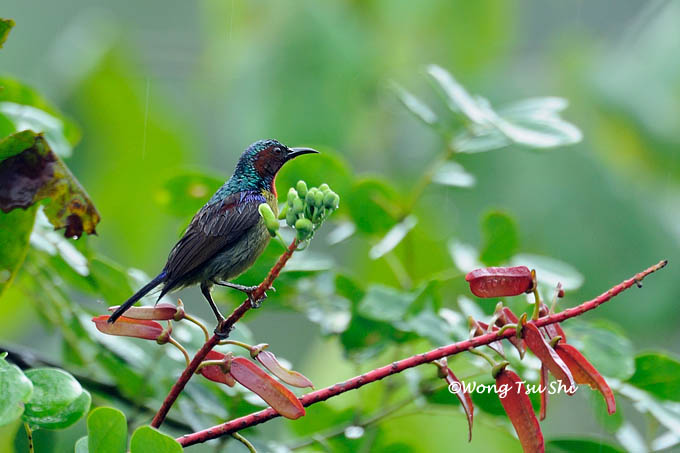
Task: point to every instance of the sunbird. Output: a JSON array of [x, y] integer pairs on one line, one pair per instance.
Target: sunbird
[[227, 234]]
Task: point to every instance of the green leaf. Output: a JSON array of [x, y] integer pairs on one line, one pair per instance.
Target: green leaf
[[27, 117], [184, 194], [373, 205], [658, 374], [383, 303], [15, 390], [36, 173], [453, 174], [427, 324], [106, 431], [604, 345], [146, 439], [53, 391], [500, 238], [81, 445], [393, 237], [15, 231], [550, 271], [459, 100], [581, 446], [17, 92], [5, 26], [65, 417], [415, 105]]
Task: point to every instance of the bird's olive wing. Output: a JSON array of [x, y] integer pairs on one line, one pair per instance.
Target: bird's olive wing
[[215, 227]]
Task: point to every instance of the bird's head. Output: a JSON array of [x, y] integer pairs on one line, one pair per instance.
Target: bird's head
[[264, 158]]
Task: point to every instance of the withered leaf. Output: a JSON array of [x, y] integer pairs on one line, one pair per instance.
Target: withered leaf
[[5, 26], [31, 172]]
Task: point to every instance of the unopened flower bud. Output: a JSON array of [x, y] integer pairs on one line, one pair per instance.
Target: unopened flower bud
[[269, 218], [304, 228], [324, 188], [309, 199], [318, 198], [301, 187], [283, 211], [291, 217], [292, 196], [331, 200], [298, 206]]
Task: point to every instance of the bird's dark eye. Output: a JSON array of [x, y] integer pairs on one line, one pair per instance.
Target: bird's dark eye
[[278, 150]]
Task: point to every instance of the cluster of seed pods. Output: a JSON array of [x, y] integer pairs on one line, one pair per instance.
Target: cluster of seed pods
[[549, 344], [224, 368]]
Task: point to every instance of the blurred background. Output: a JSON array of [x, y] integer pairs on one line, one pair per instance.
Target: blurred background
[[161, 90]]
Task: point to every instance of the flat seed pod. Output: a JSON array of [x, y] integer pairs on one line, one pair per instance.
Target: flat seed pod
[[537, 343], [585, 373], [500, 281], [517, 405], [272, 391]]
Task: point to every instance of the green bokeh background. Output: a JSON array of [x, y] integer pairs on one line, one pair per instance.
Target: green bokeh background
[[159, 88]]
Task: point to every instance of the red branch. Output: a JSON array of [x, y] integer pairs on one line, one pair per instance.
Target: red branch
[[224, 327], [396, 367]]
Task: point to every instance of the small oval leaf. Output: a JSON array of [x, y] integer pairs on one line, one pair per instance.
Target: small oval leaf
[[63, 418], [53, 390]]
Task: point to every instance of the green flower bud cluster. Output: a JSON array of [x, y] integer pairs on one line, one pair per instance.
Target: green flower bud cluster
[[307, 208]]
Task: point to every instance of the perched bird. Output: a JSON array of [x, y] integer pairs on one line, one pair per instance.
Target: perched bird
[[227, 234]]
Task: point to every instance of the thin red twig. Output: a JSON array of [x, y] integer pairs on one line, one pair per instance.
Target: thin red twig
[[225, 326], [396, 367]]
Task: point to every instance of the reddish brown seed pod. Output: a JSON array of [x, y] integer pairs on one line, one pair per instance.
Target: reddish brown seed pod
[[517, 405], [500, 281], [585, 373], [537, 343], [543, 387], [456, 387], [272, 391]]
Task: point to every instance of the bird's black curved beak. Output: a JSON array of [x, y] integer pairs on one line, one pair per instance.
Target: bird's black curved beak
[[295, 152]]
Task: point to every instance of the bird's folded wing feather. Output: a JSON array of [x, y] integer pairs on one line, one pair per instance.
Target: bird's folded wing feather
[[213, 228]]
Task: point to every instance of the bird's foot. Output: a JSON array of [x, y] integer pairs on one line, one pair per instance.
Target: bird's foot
[[256, 303], [249, 290], [221, 331]]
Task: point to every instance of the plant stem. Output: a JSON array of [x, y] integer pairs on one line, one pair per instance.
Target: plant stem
[[236, 343], [199, 324], [244, 441], [184, 352], [537, 305], [377, 374], [29, 434], [221, 332]]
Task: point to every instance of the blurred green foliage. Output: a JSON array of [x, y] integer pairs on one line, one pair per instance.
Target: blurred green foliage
[[152, 111]]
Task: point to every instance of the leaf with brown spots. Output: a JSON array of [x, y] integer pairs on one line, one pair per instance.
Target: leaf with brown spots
[[5, 26], [30, 172]]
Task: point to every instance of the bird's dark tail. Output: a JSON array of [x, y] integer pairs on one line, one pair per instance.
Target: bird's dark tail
[[135, 297]]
